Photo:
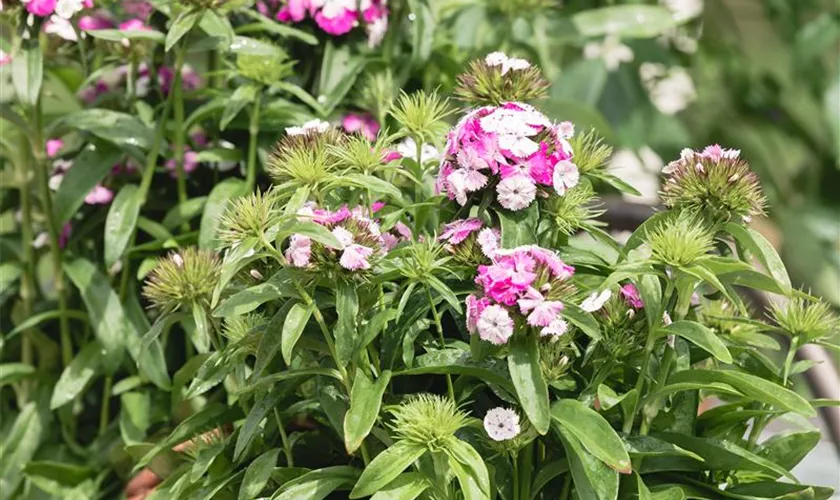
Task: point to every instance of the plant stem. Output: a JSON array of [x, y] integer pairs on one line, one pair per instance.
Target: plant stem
[[177, 93], [27, 281], [287, 449], [640, 383], [439, 328], [664, 370], [254, 131], [761, 422], [515, 459], [307, 299], [567, 486], [80, 43], [104, 412], [42, 178]]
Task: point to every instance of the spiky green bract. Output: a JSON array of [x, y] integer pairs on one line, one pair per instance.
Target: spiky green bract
[[183, 279], [244, 333], [265, 68], [377, 92], [721, 189], [427, 420], [359, 154], [250, 216], [419, 260], [571, 212], [484, 84], [422, 115], [591, 152], [680, 240], [805, 319], [556, 353], [304, 159], [623, 330]]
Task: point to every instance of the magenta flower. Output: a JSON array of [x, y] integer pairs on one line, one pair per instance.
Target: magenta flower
[[64, 237], [41, 8], [99, 195], [337, 17], [134, 25], [97, 21], [459, 230], [363, 124], [5, 58], [631, 296], [140, 9], [53, 147], [293, 11]]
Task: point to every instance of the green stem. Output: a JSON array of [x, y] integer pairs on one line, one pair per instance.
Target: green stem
[[54, 231], [567, 486], [254, 131], [661, 376], [82, 46], [177, 93], [439, 328], [515, 458], [287, 449], [640, 383], [105, 410], [27, 281], [307, 299], [761, 422]]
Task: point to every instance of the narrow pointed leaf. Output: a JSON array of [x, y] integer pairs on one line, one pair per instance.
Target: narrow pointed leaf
[[365, 401], [526, 374]]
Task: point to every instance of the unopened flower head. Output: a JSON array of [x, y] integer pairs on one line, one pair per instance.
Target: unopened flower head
[[422, 114], [255, 215], [498, 78], [183, 279], [244, 331], [265, 69], [574, 210], [632, 297], [805, 320], [514, 150], [680, 240], [715, 182], [427, 420], [469, 242], [302, 157], [556, 353], [502, 424]]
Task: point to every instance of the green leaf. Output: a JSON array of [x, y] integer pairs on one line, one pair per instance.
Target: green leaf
[[582, 319], [184, 212], [119, 128], [67, 475], [37, 319], [270, 341], [270, 380], [719, 454], [458, 362], [365, 401], [340, 68], [293, 327], [593, 479], [280, 29], [313, 230], [469, 468], [120, 222], [386, 467], [257, 475], [215, 207], [28, 72], [181, 26], [649, 446], [209, 375], [650, 291], [77, 375], [217, 25], [593, 432], [254, 47], [422, 34], [445, 292], [114, 35], [206, 418], [761, 249], [373, 184], [750, 385], [13, 372], [779, 491], [640, 234], [97, 162], [526, 374], [700, 336], [519, 228], [789, 448], [346, 334], [546, 473], [317, 484], [242, 96], [618, 184], [406, 486], [252, 421], [625, 21], [19, 444]]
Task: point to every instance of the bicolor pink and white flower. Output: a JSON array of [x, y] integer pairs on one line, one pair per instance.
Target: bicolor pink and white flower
[[459, 230], [299, 251], [502, 424], [495, 325], [99, 195], [631, 296], [512, 147], [336, 17]]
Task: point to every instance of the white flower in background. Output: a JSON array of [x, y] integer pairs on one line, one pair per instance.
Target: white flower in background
[[507, 63], [639, 169], [502, 424], [60, 27], [317, 125], [408, 149], [41, 240], [66, 8], [611, 51], [671, 89], [683, 10], [376, 31], [595, 301]]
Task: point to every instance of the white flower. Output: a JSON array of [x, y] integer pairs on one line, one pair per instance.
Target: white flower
[[611, 51], [61, 27], [495, 325], [565, 177], [566, 130], [488, 240], [178, 260], [55, 181], [683, 9], [666, 318], [671, 89], [596, 301], [516, 193], [507, 63], [639, 169], [316, 125], [502, 424], [66, 8], [521, 147], [376, 31], [555, 329], [344, 237], [40, 240], [408, 149]]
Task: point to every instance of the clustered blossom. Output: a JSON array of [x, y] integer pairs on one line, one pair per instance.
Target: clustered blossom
[[512, 147], [63, 9], [502, 424], [361, 123], [359, 237], [525, 282], [336, 17], [469, 240], [316, 126]]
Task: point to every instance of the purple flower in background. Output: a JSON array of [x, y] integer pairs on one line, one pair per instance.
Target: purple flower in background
[[362, 123]]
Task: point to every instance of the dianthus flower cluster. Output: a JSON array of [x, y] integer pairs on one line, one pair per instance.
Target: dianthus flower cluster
[[526, 284], [469, 241], [338, 17], [512, 148]]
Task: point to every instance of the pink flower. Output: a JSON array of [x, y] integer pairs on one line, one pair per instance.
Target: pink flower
[[299, 251], [293, 11], [631, 296], [98, 21], [137, 8], [391, 155], [41, 8], [190, 163], [475, 307], [557, 328], [337, 17], [99, 195], [364, 124], [377, 206], [549, 258], [488, 240], [717, 153], [88, 4], [457, 231], [495, 325], [516, 193], [5, 58], [344, 237], [53, 147], [134, 25], [566, 176], [403, 230], [355, 257], [542, 312]]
